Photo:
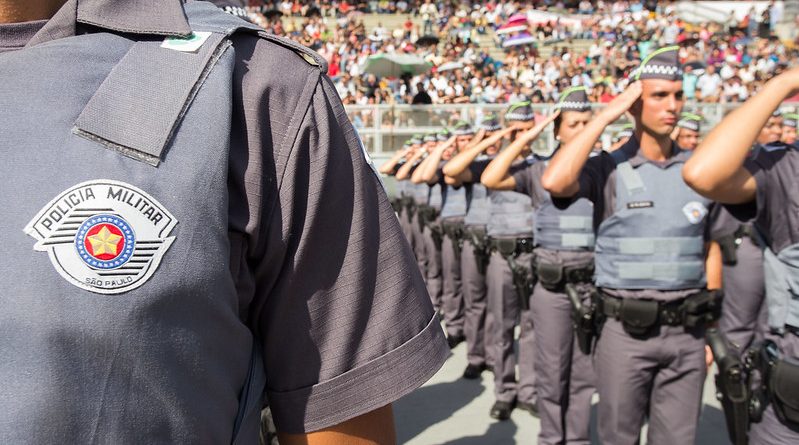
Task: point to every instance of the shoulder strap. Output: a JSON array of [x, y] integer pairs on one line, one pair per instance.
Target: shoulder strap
[[629, 176], [161, 77]]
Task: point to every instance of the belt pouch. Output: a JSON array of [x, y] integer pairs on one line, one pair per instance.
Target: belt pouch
[[784, 392], [638, 316], [549, 275]]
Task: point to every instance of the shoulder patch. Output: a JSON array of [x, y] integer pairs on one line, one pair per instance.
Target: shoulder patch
[[307, 54]]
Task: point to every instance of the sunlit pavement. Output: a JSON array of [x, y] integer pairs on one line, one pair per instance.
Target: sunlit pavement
[[454, 411]]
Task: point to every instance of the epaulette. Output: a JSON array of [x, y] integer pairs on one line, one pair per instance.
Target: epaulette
[[309, 55]]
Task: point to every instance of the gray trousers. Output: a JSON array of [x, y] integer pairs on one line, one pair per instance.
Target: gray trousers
[[475, 320], [406, 225], [564, 375], [418, 244], [659, 377], [744, 314], [433, 269], [452, 293], [770, 431], [503, 304]]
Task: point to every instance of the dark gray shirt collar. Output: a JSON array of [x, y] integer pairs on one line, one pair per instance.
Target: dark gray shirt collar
[[633, 154], [161, 18]]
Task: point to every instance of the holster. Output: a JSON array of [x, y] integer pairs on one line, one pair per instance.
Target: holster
[[455, 232], [732, 387], [481, 250], [436, 234], [584, 319], [510, 248], [729, 249]]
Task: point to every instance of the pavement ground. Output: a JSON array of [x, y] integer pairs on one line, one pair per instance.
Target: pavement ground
[[454, 411]]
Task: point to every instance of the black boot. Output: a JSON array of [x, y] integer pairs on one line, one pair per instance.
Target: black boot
[[473, 371], [501, 410]]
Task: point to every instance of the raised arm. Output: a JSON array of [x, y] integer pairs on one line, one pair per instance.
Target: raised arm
[[404, 172], [429, 171], [716, 170], [561, 178], [497, 174], [458, 167], [388, 167]]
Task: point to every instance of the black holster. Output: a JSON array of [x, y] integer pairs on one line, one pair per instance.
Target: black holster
[[455, 232], [553, 277], [522, 279], [481, 249], [584, 318], [732, 387], [729, 249]]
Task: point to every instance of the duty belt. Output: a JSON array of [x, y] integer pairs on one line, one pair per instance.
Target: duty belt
[[640, 316], [511, 246], [554, 276]]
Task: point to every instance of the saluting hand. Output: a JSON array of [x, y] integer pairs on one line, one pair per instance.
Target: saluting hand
[[618, 106]]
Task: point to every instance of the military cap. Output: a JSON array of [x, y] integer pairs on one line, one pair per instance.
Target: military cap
[[430, 137], [490, 122], [689, 121], [443, 135], [790, 119], [520, 112], [661, 64], [625, 131], [463, 128], [415, 139], [574, 99]]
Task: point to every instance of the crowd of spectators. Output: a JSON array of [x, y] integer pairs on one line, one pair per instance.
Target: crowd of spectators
[[599, 46]]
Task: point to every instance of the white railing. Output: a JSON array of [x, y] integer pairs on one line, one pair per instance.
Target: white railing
[[384, 128]]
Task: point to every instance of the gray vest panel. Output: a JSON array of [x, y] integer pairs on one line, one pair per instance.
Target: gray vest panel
[[435, 198], [654, 239], [421, 193], [455, 201], [128, 366], [511, 215], [477, 214], [782, 286], [565, 229]]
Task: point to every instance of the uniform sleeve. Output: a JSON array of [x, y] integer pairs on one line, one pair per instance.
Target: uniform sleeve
[[592, 181], [523, 178], [345, 320]]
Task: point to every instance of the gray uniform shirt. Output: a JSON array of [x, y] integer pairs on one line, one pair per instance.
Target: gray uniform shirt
[[323, 276]]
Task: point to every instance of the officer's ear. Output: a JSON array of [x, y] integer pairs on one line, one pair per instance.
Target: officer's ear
[[637, 107]]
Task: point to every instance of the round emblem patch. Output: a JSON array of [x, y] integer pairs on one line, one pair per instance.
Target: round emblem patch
[[105, 242], [104, 236]]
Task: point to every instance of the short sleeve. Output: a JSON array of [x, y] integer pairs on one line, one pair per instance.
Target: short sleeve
[[523, 180], [344, 318], [592, 182]]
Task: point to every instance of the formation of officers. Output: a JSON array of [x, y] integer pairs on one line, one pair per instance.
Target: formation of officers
[[618, 266]]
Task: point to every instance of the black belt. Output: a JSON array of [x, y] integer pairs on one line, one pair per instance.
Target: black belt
[[639, 316], [511, 246], [554, 276]]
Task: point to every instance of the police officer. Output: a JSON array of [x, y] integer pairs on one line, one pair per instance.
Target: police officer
[[765, 186], [421, 195], [789, 121], [509, 232], [404, 196], [172, 252], [650, 261], [564, 244], [448, 227], [474, 254], [687, 132]]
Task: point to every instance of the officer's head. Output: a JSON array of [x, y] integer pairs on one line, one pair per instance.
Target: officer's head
[[464, 133], [772, 131], [789, 122], [415, 143], [430, 140], [622, 135], [688, 130], [575, 112], [519, 115], [449, 152], [658, 109], [491, 125]]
